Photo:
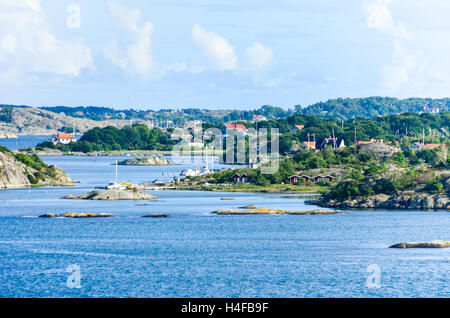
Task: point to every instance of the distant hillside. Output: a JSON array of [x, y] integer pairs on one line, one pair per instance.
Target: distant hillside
[[370, 107], [36, 121], [178, 117]]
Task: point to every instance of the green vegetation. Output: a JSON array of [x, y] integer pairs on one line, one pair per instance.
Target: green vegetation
[[32, 161], [135, 137], [4, 149], [178, 117], [408, 170], [42, 171], [6, 114], [36, 170], [371, 107], [405, 129], [346, 159]]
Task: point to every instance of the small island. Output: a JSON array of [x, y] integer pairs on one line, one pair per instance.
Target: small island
[[73, 215], [432, 244], [112, 195], [266, 211], [146, 161]]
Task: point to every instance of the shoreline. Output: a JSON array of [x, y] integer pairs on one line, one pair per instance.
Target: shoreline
[[279, 190], [406, 200]]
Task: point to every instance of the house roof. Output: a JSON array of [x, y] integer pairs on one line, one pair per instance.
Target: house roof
[[299, 127], [235, 127], [310, 143], [64, 136], [431, 145], [428, 146], [366, 142]]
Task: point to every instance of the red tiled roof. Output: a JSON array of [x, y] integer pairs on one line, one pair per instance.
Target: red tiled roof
[[432, 145], [300, 127], [64, 136], [236, 127]]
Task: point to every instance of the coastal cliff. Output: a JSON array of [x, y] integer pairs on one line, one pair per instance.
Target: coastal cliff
[[18, 170], [431, 195], [404, 200]]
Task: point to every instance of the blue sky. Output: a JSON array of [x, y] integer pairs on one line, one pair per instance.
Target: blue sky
[[220, 53]]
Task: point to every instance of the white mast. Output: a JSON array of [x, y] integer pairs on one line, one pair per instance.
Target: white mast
[[116, 170]]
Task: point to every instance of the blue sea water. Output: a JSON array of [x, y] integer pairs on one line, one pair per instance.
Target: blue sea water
[[23, 142], [199, 254]]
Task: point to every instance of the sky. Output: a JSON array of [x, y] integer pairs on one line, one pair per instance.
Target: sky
[[220, 54]]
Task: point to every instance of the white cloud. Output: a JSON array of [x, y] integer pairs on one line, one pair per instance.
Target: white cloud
[[379, 16], [183, 67], [27, 44], [216, 48], [259, 56], [137, 57], [398, 73], [408, 64]]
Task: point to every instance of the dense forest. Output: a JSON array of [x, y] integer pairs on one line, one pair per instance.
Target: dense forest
[[355, 163], [404, 128], [138, 136], [340, 109], [370, 107], [178, 117]]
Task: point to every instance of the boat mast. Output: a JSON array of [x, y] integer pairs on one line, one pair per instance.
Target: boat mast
[[116, 170]]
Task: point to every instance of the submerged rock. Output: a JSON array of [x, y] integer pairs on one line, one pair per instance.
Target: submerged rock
[[112, 195], [226, 199], [157, 216], [432, 244], [76, 215], [251, 206], [265, 211]]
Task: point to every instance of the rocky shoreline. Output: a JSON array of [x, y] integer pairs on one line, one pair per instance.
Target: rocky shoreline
[[112, 195], [74, 215], [432, 244], [250, 210], [18, 170], [405, 200], [146, 161]]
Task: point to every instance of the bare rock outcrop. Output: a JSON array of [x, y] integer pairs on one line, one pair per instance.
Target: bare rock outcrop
[[432, 244], [146, 161], [35, 121], [29, 172], [265, 211], [73, 215], [112, 195], [404, 200]]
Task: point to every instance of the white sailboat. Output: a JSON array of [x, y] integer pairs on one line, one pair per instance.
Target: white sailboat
[[116, 185]]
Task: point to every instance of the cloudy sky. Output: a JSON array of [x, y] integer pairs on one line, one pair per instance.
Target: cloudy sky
[[220, 53]]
